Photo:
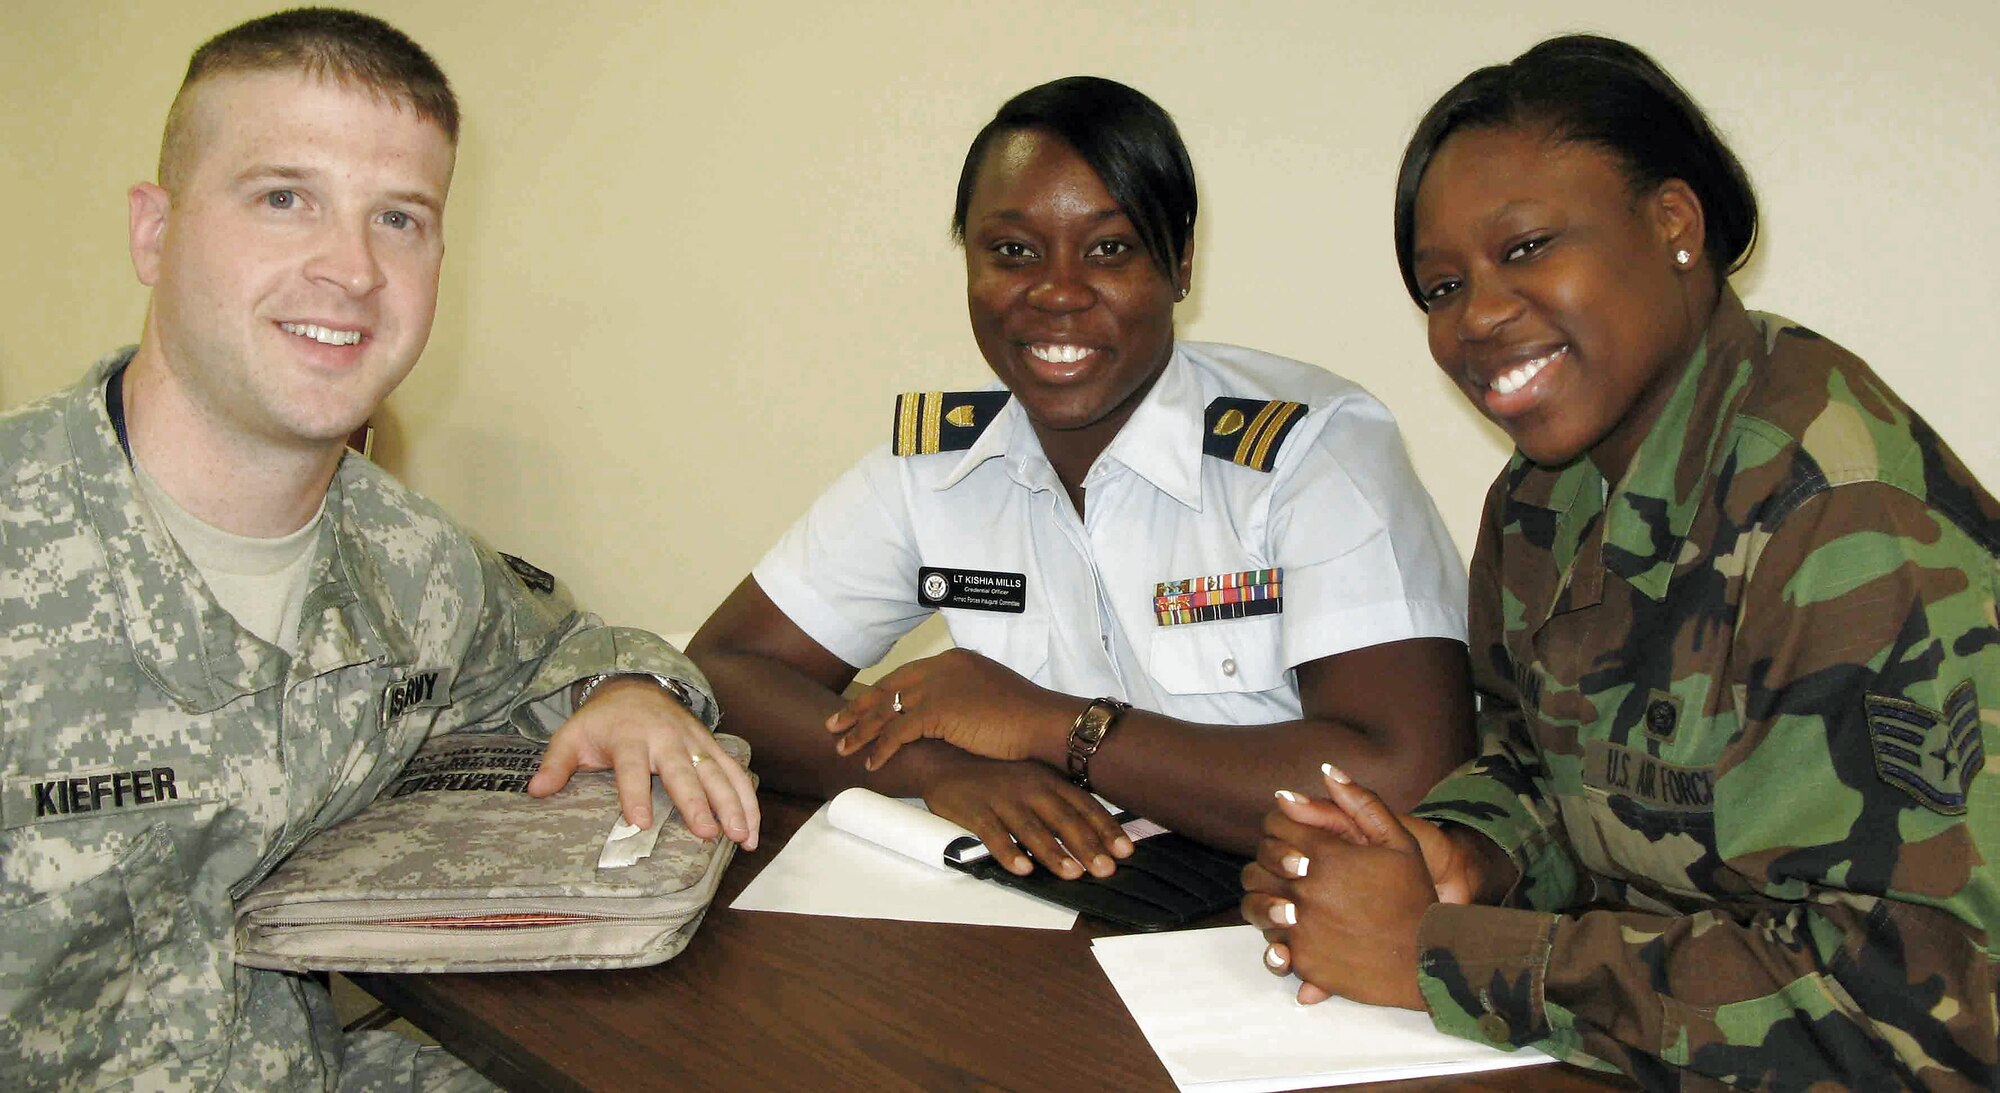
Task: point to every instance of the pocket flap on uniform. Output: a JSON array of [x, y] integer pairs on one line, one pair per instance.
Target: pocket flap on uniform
[[82, 990], [1240, 655]]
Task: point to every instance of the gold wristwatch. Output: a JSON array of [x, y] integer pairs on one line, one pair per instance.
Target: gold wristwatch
[[1088, 733]]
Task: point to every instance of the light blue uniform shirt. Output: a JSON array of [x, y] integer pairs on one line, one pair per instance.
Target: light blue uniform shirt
[[1364, 557]]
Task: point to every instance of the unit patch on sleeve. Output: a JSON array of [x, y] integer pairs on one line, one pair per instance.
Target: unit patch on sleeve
[[972, 589], [541, 580], [928, 422], [1222, 596], [1932, 755], [1249, 431]]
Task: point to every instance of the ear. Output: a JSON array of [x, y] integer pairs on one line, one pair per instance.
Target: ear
[[1679, 222], [148, 206], [1184, 274]]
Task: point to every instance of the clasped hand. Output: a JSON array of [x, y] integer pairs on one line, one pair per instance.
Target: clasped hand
[[1340, 886]]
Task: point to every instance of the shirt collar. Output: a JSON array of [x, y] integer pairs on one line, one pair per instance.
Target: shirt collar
[[1009, 435], [179, 635], [1160, 442], [1648, 515]]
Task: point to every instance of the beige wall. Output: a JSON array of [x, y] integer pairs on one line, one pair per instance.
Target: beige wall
[[696, 248]]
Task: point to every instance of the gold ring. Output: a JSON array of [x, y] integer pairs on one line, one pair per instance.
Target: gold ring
[[697, 758]]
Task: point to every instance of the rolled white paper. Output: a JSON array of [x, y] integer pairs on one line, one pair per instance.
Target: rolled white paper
[[893, 825]]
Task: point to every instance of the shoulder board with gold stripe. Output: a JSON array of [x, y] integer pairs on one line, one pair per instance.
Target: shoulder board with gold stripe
[[943, 421], [1249, 431]]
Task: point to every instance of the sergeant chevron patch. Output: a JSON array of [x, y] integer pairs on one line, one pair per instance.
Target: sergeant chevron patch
[[1249, 431], [1928, 754]]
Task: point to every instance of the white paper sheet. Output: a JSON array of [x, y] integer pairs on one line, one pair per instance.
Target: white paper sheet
[[1221, 1023], [825, 871]]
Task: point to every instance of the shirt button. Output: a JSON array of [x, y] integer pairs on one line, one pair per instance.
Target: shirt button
[[1229, 666], [1493, 1028]]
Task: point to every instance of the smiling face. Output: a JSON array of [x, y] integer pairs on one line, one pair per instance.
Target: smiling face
[[1067, 307], [295, 266], [1557, 304]]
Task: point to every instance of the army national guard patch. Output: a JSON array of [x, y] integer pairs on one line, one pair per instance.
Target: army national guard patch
[[502, 764], [928, 422], [1931, 755], [1249, 431], [1222, 596], [541, 580]]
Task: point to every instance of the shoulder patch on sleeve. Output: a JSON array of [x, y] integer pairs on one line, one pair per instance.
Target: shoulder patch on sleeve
[[928, 422], [1249, 431], [541, 580], [1932, 755]]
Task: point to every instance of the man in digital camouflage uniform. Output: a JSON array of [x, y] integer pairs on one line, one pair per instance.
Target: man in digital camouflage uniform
[[1740, 729], [219, 635]]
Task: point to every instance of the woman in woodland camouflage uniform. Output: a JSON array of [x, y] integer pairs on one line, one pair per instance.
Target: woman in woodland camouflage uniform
[[1733, 629]]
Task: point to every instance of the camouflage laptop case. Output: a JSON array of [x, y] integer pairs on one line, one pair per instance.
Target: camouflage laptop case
[[456, 869]]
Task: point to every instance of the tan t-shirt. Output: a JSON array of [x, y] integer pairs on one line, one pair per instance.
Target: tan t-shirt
[[262, 582]]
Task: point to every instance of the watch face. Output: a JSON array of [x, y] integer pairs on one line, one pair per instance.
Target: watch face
[[1095, 721]]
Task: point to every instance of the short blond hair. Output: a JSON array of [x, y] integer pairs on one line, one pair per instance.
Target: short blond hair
[[329, 43]]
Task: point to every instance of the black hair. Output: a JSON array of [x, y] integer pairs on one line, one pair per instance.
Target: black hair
[[1125, 137], [1603, 92]]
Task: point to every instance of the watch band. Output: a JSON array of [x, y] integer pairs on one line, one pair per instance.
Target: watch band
[[672, 686], [1087, 734]]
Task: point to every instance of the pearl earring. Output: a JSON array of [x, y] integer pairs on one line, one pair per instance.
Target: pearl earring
[[1682, 257]]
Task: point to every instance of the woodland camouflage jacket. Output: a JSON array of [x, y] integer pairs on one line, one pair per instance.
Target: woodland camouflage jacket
[[1736, 725]]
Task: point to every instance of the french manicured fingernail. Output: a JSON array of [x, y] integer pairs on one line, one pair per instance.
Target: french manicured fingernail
[[1272, 958], [1297, 864], [1336, 774], [1283, 913], [1288, 795]]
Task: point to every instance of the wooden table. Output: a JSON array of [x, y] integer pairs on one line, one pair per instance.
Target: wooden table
[[760, 1000]]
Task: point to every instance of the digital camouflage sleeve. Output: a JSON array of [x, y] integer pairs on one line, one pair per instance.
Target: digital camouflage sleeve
[[1737, 719], [156, 759]]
